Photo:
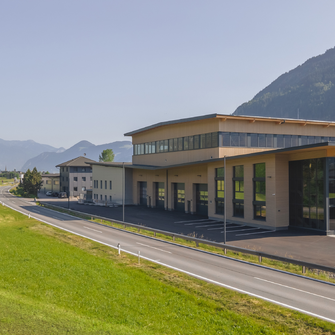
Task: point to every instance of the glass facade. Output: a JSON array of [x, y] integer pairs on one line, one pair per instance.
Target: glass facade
[[219, 198], [160, 195], [307, 193], [238, 195], [227, 139], [331, 192], [259, 192]]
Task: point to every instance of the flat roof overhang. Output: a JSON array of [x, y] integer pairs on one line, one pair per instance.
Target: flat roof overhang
[[329, 146], [251, 119]]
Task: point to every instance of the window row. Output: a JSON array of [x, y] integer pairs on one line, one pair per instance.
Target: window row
[[82, 178], [102, 197], [259, 202], [203, 141], [103, 184], [228, 139], [75, 169], [75, 189]]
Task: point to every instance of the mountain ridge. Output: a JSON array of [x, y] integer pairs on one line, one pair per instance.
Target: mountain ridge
[[307, 92], [47, 161], [14, 153]]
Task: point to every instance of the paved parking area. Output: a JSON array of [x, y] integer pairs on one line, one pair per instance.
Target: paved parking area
[[298, 244]]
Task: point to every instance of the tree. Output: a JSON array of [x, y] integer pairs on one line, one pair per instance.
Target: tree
[[106, 156], [32, 181]]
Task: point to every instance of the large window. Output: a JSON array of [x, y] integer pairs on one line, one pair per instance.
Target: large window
[[228, 139], [238, 196], [219, 199], [259, 192], [307, 193]]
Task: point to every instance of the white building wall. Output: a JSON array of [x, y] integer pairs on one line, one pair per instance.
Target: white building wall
[[103, 177]]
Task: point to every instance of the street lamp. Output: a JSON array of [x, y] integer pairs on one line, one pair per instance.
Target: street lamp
[[225, 199], [123, 190]]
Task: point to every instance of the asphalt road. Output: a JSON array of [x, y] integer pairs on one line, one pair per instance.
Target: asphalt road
[[292, 291], [299, 244]]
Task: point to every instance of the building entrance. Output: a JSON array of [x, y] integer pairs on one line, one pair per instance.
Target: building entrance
[[143, 193], [160, 195], [179, 197], [202, 199]]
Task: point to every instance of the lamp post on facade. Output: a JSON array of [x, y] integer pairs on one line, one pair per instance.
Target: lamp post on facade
[[224, 200]]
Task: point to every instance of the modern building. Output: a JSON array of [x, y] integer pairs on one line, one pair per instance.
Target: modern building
[[50, 182], [279, 172], [75, 176]]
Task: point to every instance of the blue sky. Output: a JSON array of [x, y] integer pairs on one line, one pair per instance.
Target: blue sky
[[94, 70]]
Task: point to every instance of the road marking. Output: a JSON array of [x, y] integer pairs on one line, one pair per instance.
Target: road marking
[[296, 289], [191, 221], [221, 227], [94, 230], [195, 223], [233, 231], [210, 225], [187, 272], [145, 245], [258, 232]]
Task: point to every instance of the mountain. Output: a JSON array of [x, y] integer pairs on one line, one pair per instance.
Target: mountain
[[47, 161], [306, 92], [13, 154]]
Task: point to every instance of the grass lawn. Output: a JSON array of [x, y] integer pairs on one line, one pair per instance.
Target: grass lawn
[[4, 181], [53, 282]]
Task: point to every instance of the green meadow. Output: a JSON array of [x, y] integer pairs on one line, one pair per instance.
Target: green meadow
[[53, 282]]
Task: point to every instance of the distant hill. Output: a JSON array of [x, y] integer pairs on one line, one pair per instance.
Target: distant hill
[[47, 161], [306, 92], [13, 154]]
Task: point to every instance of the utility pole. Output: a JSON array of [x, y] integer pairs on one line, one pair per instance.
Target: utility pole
[[123, 190], [225, 200]]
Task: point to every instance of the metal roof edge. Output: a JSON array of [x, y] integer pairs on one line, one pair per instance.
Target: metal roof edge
[[165, 123]]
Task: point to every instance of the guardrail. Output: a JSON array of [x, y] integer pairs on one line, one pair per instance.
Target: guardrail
[[197, 241]]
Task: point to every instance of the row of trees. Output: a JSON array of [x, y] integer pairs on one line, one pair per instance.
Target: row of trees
[[9, 175]]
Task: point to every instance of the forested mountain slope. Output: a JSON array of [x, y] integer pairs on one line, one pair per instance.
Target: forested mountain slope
[[306, 92]]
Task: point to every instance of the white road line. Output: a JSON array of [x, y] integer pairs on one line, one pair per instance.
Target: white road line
[[191, 221], [234, 231], [258, 232], [296, 289], [195, 223], [210, 225], [148, 246], [189, 273], [94, 230], [226, 227]]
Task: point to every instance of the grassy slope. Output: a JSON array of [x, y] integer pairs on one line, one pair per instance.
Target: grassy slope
[[54, 282]]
